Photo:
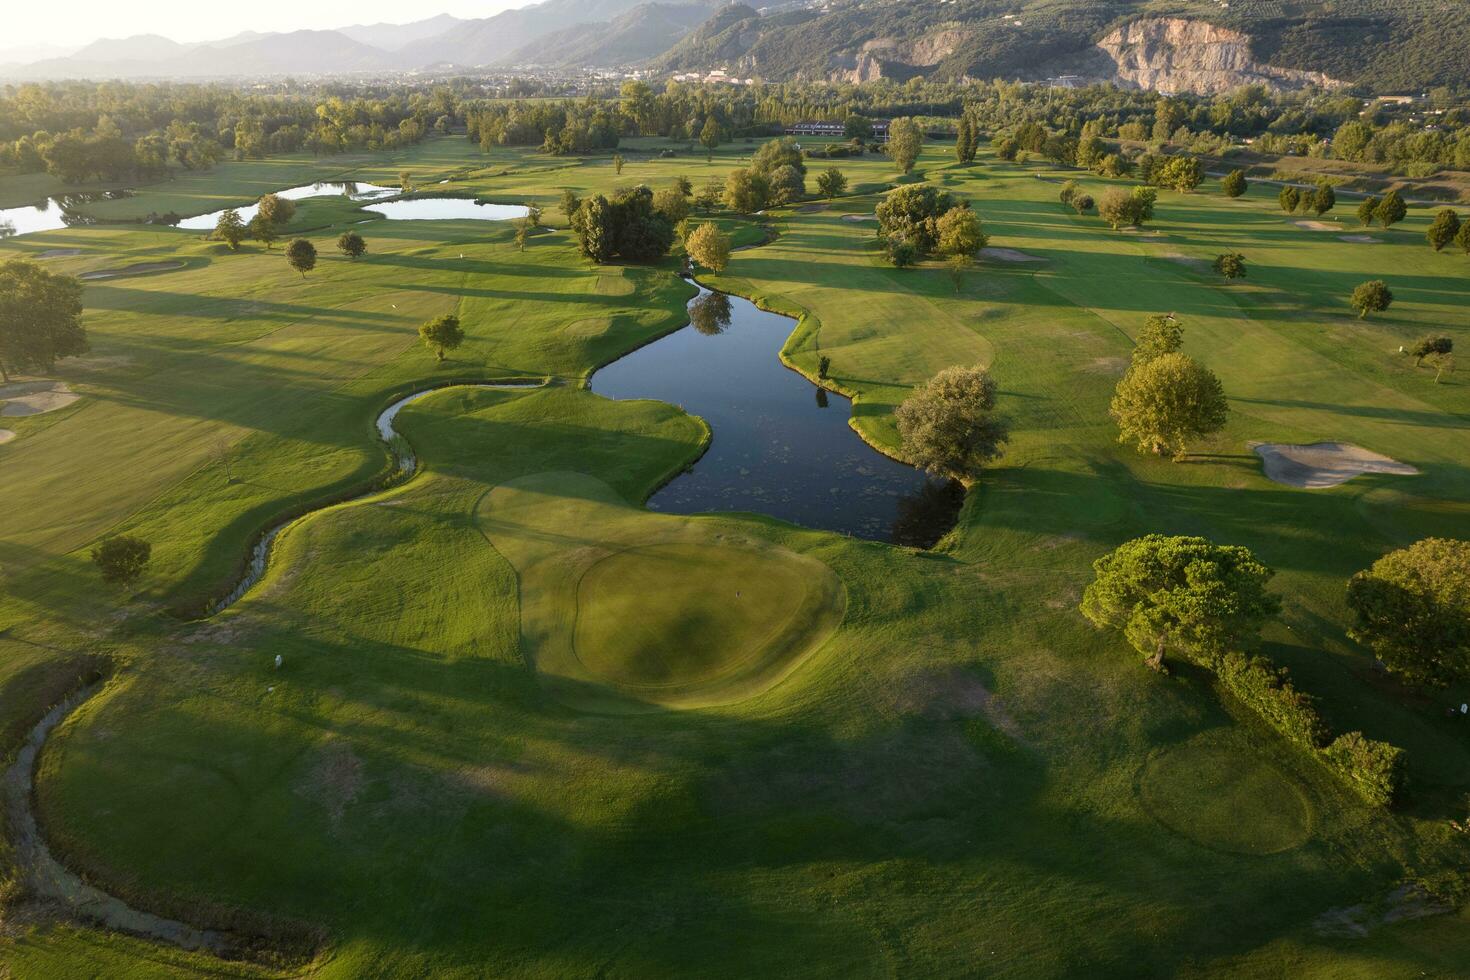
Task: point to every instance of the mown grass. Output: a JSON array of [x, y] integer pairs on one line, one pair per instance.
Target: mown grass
[[950, 784]]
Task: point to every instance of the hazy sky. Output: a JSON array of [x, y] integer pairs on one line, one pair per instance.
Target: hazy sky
[[78, 23]]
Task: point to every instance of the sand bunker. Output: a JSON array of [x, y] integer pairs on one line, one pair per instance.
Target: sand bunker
[[1367, 239], [1323, 464], [6, 435], [34, 397], [1008, 255], [859, 217], [58, 253], [132, 270], [1316, 225]]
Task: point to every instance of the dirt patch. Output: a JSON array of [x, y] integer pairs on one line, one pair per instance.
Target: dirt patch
[[1008, 255], [1183, 259], [1323, 464], [1405, 903], [6, 435], [948, 693], [137, 269], [1107, 365], [34, 397], [1316, 225], [859, 217], [59, 253], [334, 780], [1365, 239]]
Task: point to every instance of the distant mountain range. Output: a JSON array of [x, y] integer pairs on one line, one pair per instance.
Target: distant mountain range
[[1184, 45]]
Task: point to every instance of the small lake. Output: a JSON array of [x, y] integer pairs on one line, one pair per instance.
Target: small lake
[[781, 446], [353, 190], [52, 214], [447, 209]]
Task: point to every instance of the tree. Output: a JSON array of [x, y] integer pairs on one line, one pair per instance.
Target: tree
[[905, 140], [121, 559], [831, 182], [1462, 237], [1289, 198], [710, 314], [709, 195], [1412, 608], [40, 318], [626, 226], [1183, 173], [901, 252], [405, 181], [967, 140], [787, 184], [617, 162], [957, 265], [230, 229], [276, 210], [960, 233], [569, 202], [1116, 208], [1366, 210], [1162, 334], [856, 127], [776, 154], [262, 231], [1144, 199], [301, 254], [1231, 265], [746, 191], [1372, 296], [911, 214], [1167, 400], [710, 136], [1443, 229], [672, 204], [1069, 190], [1391, 209], [442, 334], [1324, 199], [522, 228], [948, 425], [1234, 183], [352, 245], [1183, 595], [709, 246], [1082, 203], [1431, 345]]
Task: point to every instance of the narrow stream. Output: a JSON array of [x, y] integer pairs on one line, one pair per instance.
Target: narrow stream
[[781, 446], [407, 464]]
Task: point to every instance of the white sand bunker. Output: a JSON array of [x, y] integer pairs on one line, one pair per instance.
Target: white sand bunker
[[6, 435], [1316, 225], [1366, 239], [859, 217], [1008, 255], [1323, 464], [133, 270], [35, 397]]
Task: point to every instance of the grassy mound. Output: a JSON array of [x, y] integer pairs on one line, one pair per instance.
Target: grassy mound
[[618, 604], [1212, 793]]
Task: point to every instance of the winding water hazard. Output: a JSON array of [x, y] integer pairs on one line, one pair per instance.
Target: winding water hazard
[[781, 446]]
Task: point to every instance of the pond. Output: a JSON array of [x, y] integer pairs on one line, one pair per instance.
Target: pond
[[353, 190], [781, 445], [52, 214], [447, 209]]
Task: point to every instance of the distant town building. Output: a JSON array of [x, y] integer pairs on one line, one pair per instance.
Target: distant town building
[[835, 129]]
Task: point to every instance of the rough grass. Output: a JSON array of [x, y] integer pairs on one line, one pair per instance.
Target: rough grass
[[950, 779]]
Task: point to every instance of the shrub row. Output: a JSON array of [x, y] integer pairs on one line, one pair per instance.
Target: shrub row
[[1373, 769]]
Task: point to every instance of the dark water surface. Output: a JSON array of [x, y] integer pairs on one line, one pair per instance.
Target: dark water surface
[[781, 445]]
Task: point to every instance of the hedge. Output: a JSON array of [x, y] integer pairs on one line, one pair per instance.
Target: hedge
[[1374, 770]]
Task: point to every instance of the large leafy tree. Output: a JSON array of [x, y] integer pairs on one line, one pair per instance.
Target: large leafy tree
[[1372, 296], [960, 232], [905, 140], [1391, 209], [831, 182], [351, 244], [1412, 607], [230, 229], [1443, 229], [709, 246], [276, 209], [627, 226], [911, 215], [1234, 183], [1167, 401], [40, 318], [442, 334], [121, 559], [301, 255], [949, 426], [1182, 595]]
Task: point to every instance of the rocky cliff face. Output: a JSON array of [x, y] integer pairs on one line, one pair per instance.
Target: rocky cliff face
[[889, 58], [1172, 54]]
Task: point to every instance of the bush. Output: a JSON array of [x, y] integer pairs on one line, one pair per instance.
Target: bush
[[1267, 690], [1374, 769]]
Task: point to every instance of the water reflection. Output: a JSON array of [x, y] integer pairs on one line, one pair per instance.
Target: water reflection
[[54, 213], [773, 451], [353, 190], [447, 209]]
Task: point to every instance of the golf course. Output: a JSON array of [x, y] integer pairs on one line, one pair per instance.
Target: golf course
[[449, 692]]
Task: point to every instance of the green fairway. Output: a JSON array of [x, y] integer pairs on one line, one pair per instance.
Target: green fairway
[[524, 726]]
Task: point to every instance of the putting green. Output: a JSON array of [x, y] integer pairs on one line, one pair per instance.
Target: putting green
[[620, 606], [1215, 792]]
